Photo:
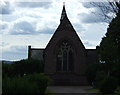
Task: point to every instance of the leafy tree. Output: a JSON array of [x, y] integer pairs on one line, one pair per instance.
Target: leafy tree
[[108, 85], [100, 76], [91, 72], [28, 67], [7, 70], [110, 46], [22, 67]]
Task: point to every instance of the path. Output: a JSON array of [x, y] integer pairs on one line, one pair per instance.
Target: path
[[71, 89]]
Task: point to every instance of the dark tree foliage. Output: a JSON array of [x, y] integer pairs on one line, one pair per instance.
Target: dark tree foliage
[[7, 70], [22, 67], [108, 85], [109, 50], [92, 70], [28, 67]]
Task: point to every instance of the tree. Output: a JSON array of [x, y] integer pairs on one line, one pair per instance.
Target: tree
[[108, 9], [110, 45], [19, 68], [7, 70]]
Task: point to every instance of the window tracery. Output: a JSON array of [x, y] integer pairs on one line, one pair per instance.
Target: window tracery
[[65, 57]]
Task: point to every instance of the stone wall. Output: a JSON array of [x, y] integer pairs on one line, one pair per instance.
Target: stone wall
[[35, 53]]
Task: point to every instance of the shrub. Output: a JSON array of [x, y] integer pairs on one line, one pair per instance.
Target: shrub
[[116, 72], [30, 84], [108, 85], [40, 79], [91, 72], [18, 86], [100, 75]]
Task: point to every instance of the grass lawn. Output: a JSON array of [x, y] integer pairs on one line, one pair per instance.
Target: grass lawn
[[96, 90], [92, 89], [48, 92]]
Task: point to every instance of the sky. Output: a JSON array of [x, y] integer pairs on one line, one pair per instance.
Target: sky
[[24, 23]]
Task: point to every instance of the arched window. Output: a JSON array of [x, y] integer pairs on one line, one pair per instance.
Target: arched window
[[65, 57]]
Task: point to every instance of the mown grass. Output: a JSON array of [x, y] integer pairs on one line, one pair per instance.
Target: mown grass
[[98, 93], [48, 92], [92, 89]]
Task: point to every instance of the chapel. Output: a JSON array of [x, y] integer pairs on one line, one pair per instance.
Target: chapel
[[65, 57]]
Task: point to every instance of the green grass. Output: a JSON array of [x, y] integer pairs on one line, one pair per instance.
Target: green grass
[[48, 92], [92, 89]]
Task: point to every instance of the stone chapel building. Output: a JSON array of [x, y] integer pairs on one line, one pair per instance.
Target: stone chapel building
[[65, 56]]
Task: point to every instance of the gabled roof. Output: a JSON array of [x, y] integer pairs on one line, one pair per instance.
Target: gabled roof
[[64, 30]]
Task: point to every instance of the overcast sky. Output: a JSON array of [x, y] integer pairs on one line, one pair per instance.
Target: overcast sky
[[33, 23]]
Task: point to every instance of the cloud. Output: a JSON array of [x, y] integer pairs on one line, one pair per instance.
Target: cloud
[[26, 28], [100, 9], [87, 43], [87, 5], [18, 49], [14, 53], [22, 28], [91, 14], [96, 5], [90, 18], [79, 27], [34, 23], [34, 4], [3, 25], [5, 8], [3, 44], [46, 30]]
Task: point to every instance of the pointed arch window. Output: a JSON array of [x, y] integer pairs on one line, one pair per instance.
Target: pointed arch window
[[65, 57]]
